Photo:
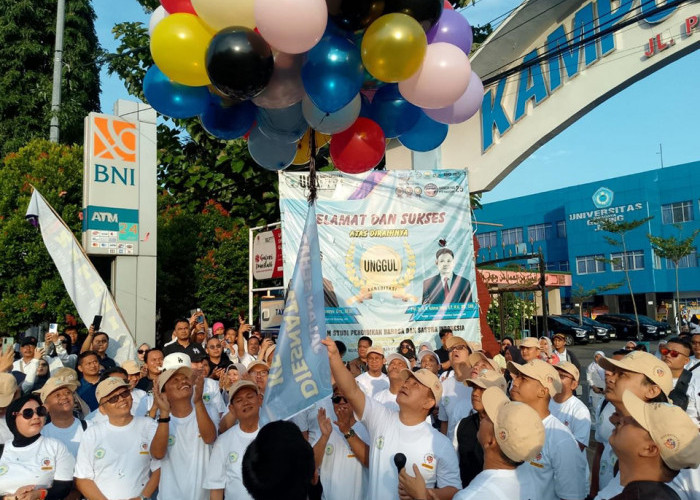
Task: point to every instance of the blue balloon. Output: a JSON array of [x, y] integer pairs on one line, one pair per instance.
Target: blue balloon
[[366, 108], [331, 123], [283, 125], [230, 122], [392, 112], [172, 99], [269, 154], [425, 135], [333, 73]]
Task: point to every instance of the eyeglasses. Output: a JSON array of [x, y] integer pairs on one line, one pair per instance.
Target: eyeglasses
[[142, 351], [338, 399], [671, 352], [261, 373], [122, 395], [406, 346], [457, 348], [695, 342], [215, 346], [28, 413]]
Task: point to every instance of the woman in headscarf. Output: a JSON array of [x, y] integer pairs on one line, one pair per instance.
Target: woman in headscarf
[[33, 467], [42, 375], [407, 349], [547, 352]]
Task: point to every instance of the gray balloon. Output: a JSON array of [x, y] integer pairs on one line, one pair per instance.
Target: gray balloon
[[331, 123]]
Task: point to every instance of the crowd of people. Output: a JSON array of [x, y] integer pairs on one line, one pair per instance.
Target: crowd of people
[[427, 422]]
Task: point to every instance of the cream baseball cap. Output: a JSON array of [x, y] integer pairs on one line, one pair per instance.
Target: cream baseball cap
[[645, 363], [543, 372], [518, 428], [396, 355], [568, 367], [477, 356], [376, 350], [488, 378], [108, 386], [131, 367], [426, 378], [530, 342], [176, 360], [257, 363], [242, 384], [673, 431], [424, 353], [53, 384], [8, 387], [66, 373]]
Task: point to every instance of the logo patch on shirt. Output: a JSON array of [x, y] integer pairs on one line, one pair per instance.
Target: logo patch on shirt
[[429, 461], [3, 469], [233, 457], [99, 453], [379, 443], [206, 398], [171, 440], [144, 449], [445, 401], [46, 464], [329, 449]]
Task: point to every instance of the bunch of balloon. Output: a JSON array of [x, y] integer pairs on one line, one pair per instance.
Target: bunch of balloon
[[354, 72]]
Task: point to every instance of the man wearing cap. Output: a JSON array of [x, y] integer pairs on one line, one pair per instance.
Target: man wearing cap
[[8, 393], [185, 432], [259, 371], [373, 381], [511, 433], [559, 470], [358, 365], [223, 476], [455, 403], [57, 396], [530, 349], [133, 372], [569, 409], [559, 343], [114, 459], [471, 454], [429, 360], [28, 363], [428, 453], [653, 442], [396, 363]]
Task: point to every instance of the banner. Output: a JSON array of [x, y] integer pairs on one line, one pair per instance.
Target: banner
[[83, 284], [300, 374], [397, 253]]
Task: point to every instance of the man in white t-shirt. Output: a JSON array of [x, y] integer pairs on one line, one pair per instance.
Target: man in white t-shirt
[[455, 403], [373, 381], [559, 470], [8, 393], [395, 363], [184, 445], [569, 409], [431, 461], [211, 395], [510, 434], [114, 459], [57, 396], [223, 476]]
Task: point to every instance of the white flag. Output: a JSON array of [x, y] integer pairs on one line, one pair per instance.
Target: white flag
[[82, 281]]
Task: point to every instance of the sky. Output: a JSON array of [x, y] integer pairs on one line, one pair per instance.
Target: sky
[[619, 137]]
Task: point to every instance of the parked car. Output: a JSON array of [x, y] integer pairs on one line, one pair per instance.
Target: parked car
[[626, 326], [603, 332], [574, 333]]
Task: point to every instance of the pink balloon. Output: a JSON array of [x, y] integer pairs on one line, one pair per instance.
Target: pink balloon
[[285, 87], [291, 26], [464, 108], [441, 80]]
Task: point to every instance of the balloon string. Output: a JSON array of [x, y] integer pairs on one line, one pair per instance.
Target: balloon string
[[312, 167]]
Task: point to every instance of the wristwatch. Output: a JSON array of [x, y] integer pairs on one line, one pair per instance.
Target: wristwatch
[[350, 434]]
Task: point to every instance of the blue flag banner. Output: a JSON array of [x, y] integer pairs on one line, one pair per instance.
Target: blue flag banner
[[300, 374]]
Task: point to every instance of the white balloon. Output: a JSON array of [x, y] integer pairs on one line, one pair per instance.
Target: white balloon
[[158, 15]]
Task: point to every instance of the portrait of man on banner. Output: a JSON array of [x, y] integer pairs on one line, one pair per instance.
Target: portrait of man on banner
[[446, 287]]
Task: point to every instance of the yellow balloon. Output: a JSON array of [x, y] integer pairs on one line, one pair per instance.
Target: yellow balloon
[[220, 14], [179, 48], [303, 155], [393, 47]]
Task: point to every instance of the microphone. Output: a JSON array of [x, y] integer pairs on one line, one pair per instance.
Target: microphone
[[400, 461]]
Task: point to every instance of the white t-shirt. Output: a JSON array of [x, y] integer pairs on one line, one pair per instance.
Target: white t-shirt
[[612, 489], [213, 401], [388, 399], [370, 385], [687, 483], [41, 463], [136, 396], [183, 469], [97, 417], [575, 415], [342, 475], [224, 469], [559, 470], [70, 436], [117, 459], [455, 404], [422, 444], [603, 431], [307, 420], [5, 434], [492, 484]]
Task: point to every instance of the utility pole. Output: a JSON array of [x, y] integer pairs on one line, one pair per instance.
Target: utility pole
[[57, 70], [661, 155]]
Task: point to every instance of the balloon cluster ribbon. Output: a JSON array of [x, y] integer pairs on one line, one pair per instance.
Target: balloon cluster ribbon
[[312, 167]]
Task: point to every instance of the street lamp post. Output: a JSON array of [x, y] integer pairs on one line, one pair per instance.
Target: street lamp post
[[57, 70]]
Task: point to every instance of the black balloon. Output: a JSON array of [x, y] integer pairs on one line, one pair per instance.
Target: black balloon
[[352, 15], [239, 62], [426, 12]]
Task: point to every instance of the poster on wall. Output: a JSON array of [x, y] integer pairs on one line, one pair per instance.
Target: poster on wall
[[396, 249]]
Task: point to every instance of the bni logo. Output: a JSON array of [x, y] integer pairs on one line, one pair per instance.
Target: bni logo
[[603, 197], [114, 139]]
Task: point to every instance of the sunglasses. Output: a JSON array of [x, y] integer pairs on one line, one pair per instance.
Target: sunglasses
[[671, 352], [338, 399], [28, 413], [122, 395], [142, 351], [457, 348]]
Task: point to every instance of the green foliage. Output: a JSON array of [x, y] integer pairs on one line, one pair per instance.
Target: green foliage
[[31, 291], [671, 248], [517, 307], [27, 36]]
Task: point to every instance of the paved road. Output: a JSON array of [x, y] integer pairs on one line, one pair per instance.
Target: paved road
[[585, 352]]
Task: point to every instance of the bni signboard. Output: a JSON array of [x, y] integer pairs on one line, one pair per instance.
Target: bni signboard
[[111, 186]]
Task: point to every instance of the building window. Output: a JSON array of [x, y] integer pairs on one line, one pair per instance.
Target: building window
[[690, 260], [561, 229], [486, 240], [512, 236], [564, 265], [590, 264], [632, 261], [655, 260], [539, 232], [673, 213]]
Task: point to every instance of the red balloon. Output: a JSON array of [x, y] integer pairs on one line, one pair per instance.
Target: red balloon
[[448, 5], [359, 148], [174, 6]]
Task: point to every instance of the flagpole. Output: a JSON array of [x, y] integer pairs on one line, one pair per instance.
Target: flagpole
[[312, 167]]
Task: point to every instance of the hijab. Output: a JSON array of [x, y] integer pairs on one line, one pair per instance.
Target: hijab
[[20, 440], [515, 354]]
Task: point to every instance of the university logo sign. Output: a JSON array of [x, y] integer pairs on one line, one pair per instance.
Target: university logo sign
[[603, 197]]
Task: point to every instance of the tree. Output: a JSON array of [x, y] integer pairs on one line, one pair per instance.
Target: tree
[[674, 250], [27, 32], [620, 229], [580, 294]]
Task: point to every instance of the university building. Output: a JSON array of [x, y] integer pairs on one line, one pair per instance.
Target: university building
[[562, 224]]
